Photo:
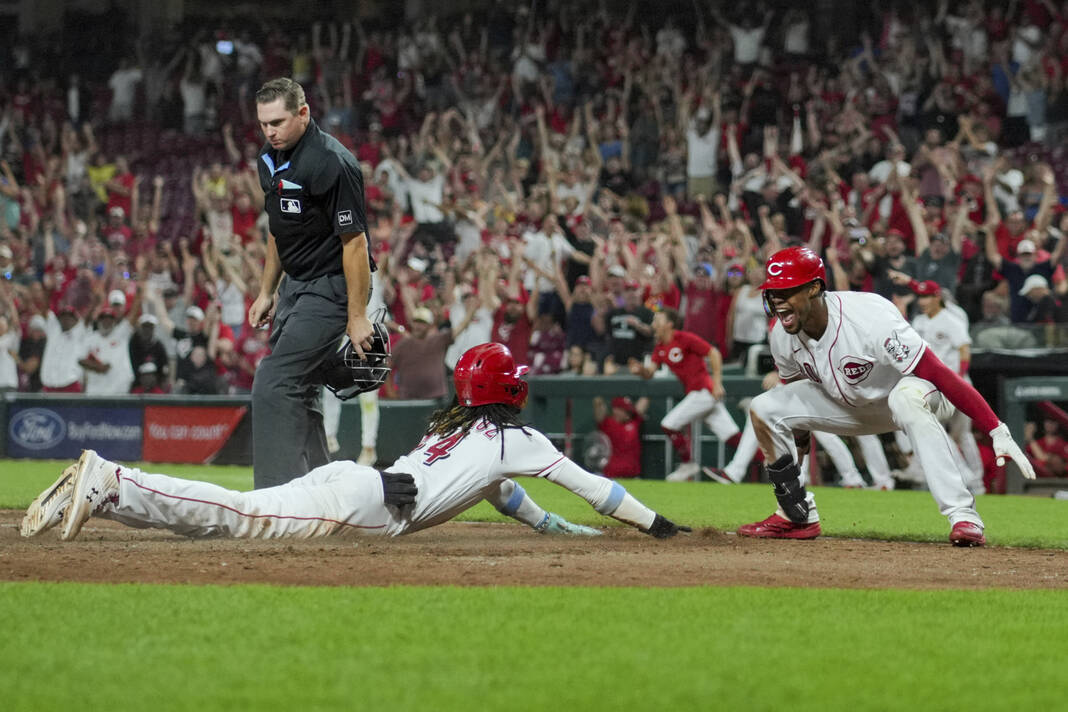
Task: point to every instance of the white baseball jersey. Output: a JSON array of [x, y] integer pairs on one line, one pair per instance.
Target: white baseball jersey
[[114, 350], [453, 473], [9, 374], [945, 334], [866, 349], [59, 363]]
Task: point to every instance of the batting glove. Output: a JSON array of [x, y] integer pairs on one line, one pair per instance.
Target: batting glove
[[555, 524], [664, 528], [398, 489], [1005, 448]]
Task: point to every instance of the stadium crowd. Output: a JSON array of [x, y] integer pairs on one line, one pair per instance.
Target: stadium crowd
[[548, 180]]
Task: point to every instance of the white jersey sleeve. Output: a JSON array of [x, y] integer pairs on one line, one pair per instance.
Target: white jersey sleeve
[[528, 453], [782, 350]]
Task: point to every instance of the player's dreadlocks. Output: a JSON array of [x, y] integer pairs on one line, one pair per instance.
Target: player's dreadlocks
[[456, 417]]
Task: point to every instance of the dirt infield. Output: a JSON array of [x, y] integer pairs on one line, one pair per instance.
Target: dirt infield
[[506, 554]]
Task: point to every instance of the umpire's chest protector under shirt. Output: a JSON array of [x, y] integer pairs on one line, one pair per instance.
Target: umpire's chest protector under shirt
[[312, 194]]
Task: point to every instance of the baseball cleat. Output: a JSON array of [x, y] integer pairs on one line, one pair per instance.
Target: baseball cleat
[[47, 510], [686, 472], [96, 483], [553, 523], [717, 475], [778, 527], [967, 534]]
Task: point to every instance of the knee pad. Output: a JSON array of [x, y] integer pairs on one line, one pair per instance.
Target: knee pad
[[785, 475]]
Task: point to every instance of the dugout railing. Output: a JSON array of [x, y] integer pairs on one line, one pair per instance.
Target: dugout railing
[[1017, 394], [217, 429]]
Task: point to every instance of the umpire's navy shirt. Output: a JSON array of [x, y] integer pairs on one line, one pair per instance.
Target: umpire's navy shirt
[[313, 193]]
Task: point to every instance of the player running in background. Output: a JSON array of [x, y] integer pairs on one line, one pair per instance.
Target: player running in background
[[470, 452], [852, 365], [685, 355]]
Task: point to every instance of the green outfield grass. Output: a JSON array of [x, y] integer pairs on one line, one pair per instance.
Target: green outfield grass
[[902, 515], [139, 647]]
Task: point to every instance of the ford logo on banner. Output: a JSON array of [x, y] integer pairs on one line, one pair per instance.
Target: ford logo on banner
[[37, 429], [63, 431]]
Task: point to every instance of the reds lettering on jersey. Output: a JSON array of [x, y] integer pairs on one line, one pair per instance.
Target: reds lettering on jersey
[[685, 357], [866, 349]]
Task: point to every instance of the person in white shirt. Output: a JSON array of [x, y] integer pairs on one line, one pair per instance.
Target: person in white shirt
[[895, 153], [702, 147], [122, 82], [472, 451], [427, 193], [945, 329], [796, 25], [542, 249], [852, 365], [105, 353], [194, 90], [65, 334], [670, 42], [748, 37], [475, 308], [9, 351]]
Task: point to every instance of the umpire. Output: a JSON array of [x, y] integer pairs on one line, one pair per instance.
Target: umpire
[[314, 200]]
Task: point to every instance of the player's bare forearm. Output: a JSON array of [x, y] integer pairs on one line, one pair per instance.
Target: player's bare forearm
[[272, 268], [357, 268], [715, 365]]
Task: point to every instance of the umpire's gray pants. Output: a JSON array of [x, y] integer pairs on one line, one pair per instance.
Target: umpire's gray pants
[[288, 440]]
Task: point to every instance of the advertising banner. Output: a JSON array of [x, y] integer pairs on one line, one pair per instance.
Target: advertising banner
[[62, 432], [188, 433]]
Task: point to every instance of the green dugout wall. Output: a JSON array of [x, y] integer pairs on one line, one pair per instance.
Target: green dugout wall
[[1016, 395], [562, 408]]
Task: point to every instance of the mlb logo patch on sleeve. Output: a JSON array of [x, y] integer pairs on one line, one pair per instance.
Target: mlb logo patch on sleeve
[[344, 217], [290, 205]]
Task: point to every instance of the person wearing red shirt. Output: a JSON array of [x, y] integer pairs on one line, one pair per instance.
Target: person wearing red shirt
[[707, 306], [245, 212], [622, 425], [685, 355], [513, 323], [371, 149], [1048, 452], [120, 188]]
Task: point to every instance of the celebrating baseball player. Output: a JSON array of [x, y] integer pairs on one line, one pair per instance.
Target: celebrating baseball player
[[469, 453], [944, 326], [685, 355], [852, 365]]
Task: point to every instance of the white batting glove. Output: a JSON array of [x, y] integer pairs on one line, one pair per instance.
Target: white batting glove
[[1005, 448]]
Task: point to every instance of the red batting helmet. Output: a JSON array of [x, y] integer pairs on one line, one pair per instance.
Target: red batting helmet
[[486, 374], [793, 267]]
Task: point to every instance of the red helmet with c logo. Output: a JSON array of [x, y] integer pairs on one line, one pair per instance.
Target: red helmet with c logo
[[486, 374], [793, 267]]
